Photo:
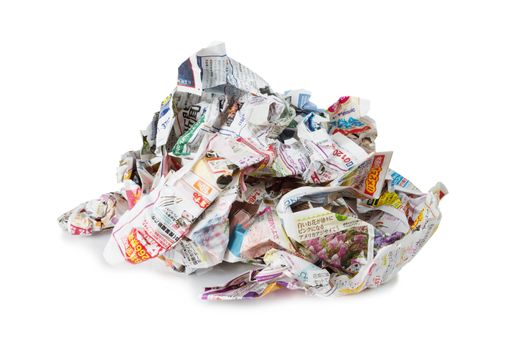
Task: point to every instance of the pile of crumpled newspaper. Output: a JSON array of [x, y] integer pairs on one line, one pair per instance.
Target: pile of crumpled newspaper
[[231, 171]]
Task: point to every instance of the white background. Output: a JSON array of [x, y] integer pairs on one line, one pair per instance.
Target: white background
[[79, 80]]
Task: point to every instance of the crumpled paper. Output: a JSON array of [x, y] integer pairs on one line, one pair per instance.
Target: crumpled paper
[[232, 171]]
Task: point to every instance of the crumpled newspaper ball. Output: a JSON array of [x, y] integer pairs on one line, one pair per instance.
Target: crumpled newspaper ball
[[231, 171]]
